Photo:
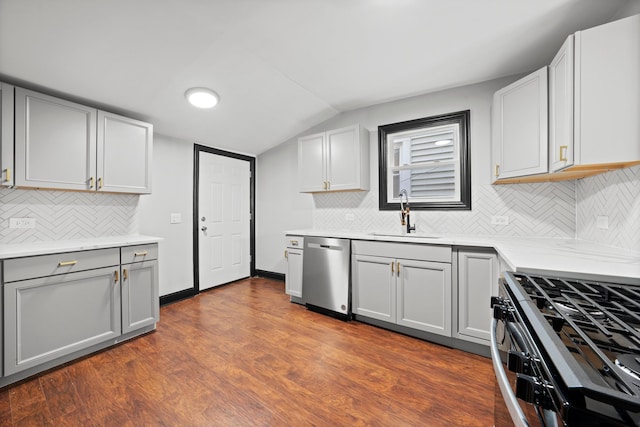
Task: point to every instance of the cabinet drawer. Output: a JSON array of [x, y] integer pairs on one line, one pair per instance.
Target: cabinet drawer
[[295, 241], [47, 265], [139, 253], [434, 253]]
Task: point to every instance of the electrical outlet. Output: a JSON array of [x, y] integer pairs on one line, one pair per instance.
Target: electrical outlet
[[22, 223], [602, 222], [499, 220], [176, 218], [349, 217]]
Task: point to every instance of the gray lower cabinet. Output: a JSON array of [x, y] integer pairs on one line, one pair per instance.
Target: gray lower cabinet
[[52, 316], [61, 306], [407, 290], [478, 272], [140, 294]]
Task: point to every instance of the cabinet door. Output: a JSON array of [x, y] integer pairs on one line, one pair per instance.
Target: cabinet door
[[55, 142], [343, 158], [561, 108], [123, 154], [6, 134], [311, 163], [373, 287], [477, 282], [519, 127], [607, 92], [424, 296], [140, 295], [53, 316], [293, 279]]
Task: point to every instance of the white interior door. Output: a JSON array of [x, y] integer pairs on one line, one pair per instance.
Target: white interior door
[[223, 220]]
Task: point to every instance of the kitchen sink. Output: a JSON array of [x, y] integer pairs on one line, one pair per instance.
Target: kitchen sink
[[416, 235]]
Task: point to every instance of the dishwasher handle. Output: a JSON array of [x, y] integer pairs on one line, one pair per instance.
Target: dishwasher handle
[[323, 246]]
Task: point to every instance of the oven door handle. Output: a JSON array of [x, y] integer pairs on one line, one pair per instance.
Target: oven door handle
[[511, 401]]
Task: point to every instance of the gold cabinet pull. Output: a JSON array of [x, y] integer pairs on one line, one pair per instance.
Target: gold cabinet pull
[[398, 268], [67, 263], [100, 183], [91, 182], [497, 170], [294, 243], [125, 274], [563, 153], [7, 174], [143, 253], [117, 276], [392, 268], [286, 254]]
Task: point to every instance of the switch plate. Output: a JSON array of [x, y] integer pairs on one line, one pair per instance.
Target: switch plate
[[176, 218], [22, 223], [602, 222], [499, 220]]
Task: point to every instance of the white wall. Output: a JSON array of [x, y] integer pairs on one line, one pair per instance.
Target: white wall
[[546, 209], [279, 205], [172, 192]]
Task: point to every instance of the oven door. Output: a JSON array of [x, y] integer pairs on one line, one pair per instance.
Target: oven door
[[508, 409]]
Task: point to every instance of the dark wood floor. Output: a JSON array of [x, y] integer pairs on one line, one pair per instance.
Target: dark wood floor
[[243, 355]]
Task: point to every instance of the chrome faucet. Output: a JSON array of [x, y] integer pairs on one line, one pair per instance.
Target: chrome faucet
[[404, 212]]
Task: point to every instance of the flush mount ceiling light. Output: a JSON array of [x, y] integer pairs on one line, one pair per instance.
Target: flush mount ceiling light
[[202, 97]]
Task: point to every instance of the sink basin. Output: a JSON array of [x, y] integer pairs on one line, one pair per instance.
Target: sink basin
[[414, 235]]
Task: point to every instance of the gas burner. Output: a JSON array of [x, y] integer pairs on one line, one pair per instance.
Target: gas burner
[[629, 364], [574, 312]]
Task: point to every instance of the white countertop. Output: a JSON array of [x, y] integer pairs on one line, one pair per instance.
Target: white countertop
[[15, 250], [573, 258]]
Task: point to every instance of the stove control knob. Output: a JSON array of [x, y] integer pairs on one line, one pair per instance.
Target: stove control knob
[[532, 390], [519, 362]]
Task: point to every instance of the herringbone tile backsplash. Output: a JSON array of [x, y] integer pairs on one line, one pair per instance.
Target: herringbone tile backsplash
[[546, 209], [615, 195], [560, 209], [62, 215]]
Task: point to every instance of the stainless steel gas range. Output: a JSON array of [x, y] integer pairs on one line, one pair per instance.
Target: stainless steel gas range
[[566, 352]]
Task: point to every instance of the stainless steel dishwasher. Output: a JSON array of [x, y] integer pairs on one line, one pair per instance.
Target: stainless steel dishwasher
[[326, 284]]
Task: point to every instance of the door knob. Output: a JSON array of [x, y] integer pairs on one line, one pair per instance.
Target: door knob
[[203, 228]]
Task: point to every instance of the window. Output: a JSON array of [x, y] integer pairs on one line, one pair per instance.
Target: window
[[429, 158]]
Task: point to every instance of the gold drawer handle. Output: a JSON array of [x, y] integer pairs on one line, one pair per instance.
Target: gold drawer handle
[[91, 182], [7, 174], [67, 263], [116, 277], [497, 170], [125, 274], [140, 253], [100, 183], [294, 243]]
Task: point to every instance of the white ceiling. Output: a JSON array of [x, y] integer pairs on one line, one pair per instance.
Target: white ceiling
[[280, 66]]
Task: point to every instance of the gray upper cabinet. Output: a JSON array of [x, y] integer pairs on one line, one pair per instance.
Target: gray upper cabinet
[[124, 154], [64, 145], [561, 92], [55, 142], [519, 127], [6, 134], [336, 160]]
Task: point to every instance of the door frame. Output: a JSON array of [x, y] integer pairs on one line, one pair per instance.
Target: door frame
[[197, 149]]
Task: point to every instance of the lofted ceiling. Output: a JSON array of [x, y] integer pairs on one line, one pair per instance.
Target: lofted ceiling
[[280, 66]]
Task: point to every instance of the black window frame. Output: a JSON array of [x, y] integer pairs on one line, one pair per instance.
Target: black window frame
[[462, 118]]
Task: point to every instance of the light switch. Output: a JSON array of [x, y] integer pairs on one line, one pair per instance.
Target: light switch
[[176, 218]]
